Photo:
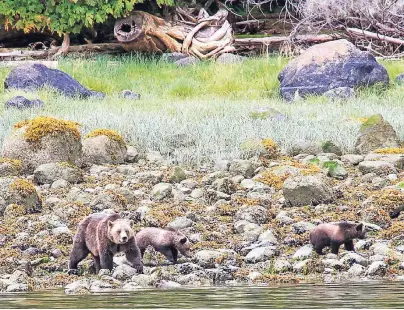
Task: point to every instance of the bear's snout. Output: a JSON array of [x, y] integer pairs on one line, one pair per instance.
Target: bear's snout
[[124, 239]]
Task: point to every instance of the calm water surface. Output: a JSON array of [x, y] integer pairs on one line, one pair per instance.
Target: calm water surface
[[348, 295]]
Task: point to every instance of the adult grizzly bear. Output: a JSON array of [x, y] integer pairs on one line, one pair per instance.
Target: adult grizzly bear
[[335, 234], [103, 235], [167, 241]]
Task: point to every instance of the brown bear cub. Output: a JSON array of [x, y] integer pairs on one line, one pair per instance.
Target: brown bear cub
[[167, 241], [103, 235], [335, 234]]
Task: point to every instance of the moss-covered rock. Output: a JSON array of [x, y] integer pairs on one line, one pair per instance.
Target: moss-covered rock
[[103, 146], [376, 133], [15, 191], [43, 140], [10, 167]]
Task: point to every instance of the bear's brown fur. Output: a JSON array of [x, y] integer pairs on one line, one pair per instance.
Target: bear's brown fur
[[335, 234], [166, 241], [103, 235]]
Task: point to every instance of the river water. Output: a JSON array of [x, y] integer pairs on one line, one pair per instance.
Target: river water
[[348, 295]]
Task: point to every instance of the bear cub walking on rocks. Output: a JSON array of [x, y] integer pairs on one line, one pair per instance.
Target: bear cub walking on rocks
[[335, 234], [103, 235], [167, 241]]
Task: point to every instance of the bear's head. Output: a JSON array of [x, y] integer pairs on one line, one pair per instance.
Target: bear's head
[[360, 231], [182, 243], [120, 231]]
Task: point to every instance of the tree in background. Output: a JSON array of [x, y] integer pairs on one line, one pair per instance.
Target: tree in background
[[64, 16]]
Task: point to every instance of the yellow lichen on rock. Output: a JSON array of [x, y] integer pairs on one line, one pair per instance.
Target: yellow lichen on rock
[[391, 150], [272, 179], [22, 187], [112, 134], [13, 162], [42, 126], [271, 147]]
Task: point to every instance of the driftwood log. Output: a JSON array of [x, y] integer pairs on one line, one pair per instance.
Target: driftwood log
[[203, 36]]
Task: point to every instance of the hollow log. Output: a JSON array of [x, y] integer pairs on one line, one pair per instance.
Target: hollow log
[[203, 36]]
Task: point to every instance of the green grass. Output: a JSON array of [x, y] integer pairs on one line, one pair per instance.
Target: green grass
[[209, 103]]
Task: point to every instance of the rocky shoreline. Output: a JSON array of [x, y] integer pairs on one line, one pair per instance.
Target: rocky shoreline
[[248, 219]]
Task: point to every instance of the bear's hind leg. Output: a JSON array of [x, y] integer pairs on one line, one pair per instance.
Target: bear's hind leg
[[349, 246], [78, 253]]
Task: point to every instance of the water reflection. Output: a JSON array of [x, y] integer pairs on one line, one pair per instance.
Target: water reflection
[[349, 295]]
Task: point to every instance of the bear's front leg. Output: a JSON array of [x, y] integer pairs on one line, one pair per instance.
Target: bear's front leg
[[106, 260], [349, 246], [134, 256]]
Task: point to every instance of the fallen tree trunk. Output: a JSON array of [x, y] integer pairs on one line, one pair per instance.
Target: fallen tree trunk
[[376, 36], [104, 48], [203, 36], [275, 42]]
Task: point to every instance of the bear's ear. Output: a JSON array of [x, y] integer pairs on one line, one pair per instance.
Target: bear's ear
[[359, 227], [110, 224], [131, 223], [183, 240]]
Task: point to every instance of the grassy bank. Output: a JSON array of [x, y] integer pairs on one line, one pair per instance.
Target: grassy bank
[[209, 104]]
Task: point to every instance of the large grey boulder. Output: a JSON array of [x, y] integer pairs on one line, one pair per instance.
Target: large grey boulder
[[330, 65], [33, 77], [104, 147], [376, 133], [307, 190]]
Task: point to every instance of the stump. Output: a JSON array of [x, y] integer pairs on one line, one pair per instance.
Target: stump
[[203, 36]]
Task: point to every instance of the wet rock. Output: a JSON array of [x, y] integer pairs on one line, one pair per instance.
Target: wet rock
[[283, 218], [353, 159], [356, 270], [33, 77], [180, 223], [377, 268], [14, 288], [260, 254], [268, 237], [177, 175], [56, 253], [124, 272], [380, 248], [332, 263], [19, 193], [102, 149], [173, 57], [376, 133], [302, 227], [128, 94], [152, 177], [144, 280], [168, 284], [252, 214], [187, 61], [104, 285], [132, 154], [306, 147], [377, 167], [21, 102], [351, 258], [307, 190], [303, 252], [282, 265], [301, 267], [327, 66], [396, 159], [224, 185], [242, 167], [131, 286], [227, 58], [340, 93], [78, 287], [161, 191], [51, 172], [207, 258]]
